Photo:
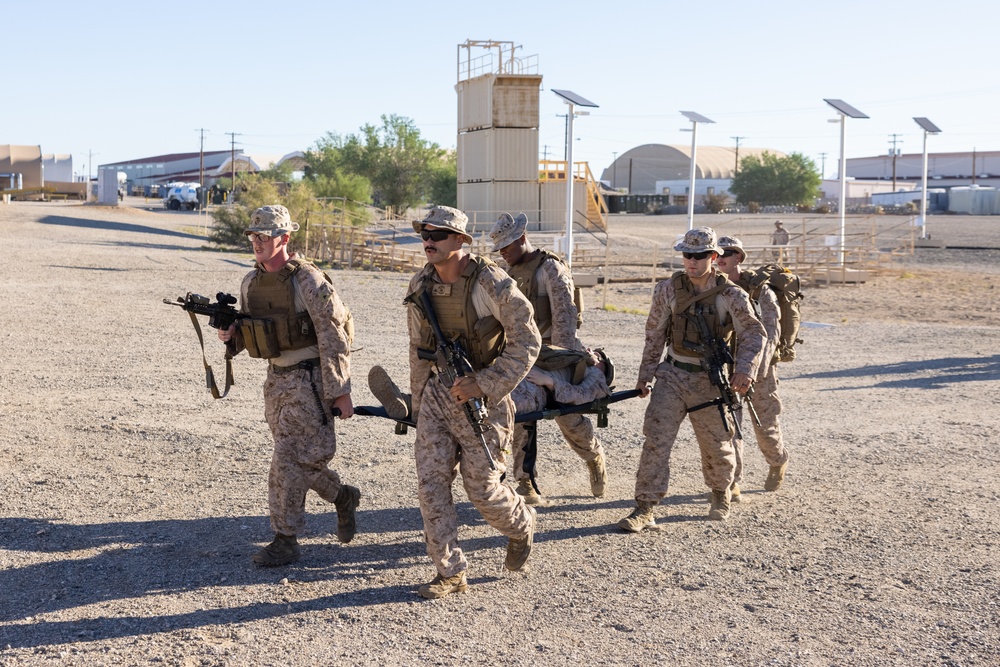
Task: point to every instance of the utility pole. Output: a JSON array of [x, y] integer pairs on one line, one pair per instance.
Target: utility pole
[[895, 153], [614, 170], [736, 169], [232, 160], [545, 152], [973, 165], [822, 169]]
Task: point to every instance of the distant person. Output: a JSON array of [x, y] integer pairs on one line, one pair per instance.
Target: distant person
[[299, 324], [779, 238]]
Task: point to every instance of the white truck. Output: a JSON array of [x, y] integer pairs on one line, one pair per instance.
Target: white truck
[[181, 196]]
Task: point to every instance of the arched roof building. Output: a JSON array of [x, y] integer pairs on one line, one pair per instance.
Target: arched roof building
[[639, 168]]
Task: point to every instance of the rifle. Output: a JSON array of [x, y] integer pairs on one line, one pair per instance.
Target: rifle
[[453, 363], [221, 315], [716, 357]]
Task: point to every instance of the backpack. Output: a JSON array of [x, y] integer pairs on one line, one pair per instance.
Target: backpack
[[787, 288]]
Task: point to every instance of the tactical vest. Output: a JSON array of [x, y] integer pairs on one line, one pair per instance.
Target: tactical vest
[[684, 334], [524, 274], [481, 337], [275, 326]]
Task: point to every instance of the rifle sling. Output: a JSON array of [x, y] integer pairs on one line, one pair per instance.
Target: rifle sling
[[712, 291], [209, 374], [709, 404]]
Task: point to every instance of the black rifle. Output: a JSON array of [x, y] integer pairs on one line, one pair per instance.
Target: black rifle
[[221, 315], [717, 358], [453, 363]]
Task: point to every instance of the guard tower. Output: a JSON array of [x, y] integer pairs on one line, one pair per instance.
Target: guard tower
[[498, 165], [497, 131]]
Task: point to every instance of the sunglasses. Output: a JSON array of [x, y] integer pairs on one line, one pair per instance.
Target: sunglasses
[[435, 235], [696, 255], [729, 252], [259, 238]]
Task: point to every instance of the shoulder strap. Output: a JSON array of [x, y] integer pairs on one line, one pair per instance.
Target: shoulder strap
[[720, 285], [209, 374]]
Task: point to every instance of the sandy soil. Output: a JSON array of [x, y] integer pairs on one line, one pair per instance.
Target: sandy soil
[[130, 501]]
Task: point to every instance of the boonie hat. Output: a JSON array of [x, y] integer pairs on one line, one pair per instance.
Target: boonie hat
[[732, 243], [507, 229], [272, 220], [699, 239], [445, 217]]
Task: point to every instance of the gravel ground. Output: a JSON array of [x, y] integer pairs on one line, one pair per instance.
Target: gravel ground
[[131, 501]]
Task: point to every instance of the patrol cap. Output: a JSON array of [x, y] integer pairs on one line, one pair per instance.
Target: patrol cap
[[272, 220], [699, 239], [507, 229], [445, 217], [733, 243]]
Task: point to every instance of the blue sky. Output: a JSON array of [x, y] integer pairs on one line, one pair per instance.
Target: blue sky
[[126, 82]]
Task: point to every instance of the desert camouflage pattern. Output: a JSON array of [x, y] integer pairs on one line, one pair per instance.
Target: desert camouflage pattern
[[317, 296], [675, 390], [445, 443], [576, 429], [554, 279], [766, 400], [303, 446], [748, 329]]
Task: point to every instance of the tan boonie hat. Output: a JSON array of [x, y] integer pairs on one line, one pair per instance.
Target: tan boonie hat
[[507, 229], [445, 217], [273, 220], [733, 243], [699, 239]]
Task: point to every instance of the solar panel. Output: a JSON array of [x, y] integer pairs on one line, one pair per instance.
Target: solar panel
[[928, 125], [573, 98], [845, 108], [696, 117]]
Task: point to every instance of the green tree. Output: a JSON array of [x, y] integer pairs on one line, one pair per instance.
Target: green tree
[[770, 180], [443, 190], [398, 162], [255, 191]]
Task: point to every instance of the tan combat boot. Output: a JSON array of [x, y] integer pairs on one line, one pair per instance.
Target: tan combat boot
[[346, 503], [775, 476], [518, 550], [720, 505], [395, 402], [640, 519], [282, 551], [734, 492], [598, 476], [526, 490], [442, 586]]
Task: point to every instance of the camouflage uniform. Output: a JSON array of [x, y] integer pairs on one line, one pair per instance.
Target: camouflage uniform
[[678, 389], [766, 401], [445, 442], [303, 445], [553, 280]]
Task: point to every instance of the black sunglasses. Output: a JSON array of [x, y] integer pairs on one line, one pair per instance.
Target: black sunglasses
[[729, 252], [435, 235], [696, 255]]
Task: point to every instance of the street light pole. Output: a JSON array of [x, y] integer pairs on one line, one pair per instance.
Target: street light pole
[[572, 100], [928, 128], [695, 118], [845, 110]]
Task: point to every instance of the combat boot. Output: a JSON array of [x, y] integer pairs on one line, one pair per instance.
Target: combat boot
[[775, 476], [396, 403], [526, 490], [442, 586], [518, 550], [734, 492], [640, 519], [720, 505], [282, 551], [346, 503], [598, 476]]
